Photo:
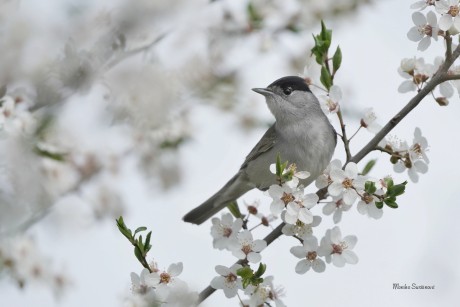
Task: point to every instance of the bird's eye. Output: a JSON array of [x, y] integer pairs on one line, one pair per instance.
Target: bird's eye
[[287, 90]]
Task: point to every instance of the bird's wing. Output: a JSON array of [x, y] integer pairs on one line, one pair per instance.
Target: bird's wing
[[267, 141]]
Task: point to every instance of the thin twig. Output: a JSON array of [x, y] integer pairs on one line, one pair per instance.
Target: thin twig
[[356, 132], [346, 142], [134, 51]]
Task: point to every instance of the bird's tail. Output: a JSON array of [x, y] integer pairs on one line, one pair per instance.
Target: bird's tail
[[233, 189]]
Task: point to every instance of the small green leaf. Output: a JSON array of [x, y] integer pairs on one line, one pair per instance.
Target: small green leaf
[[254, 17], [326, 78], [50, 155], [261, 270], [369, 187], [389, 182], [368, 167], [391, 203], [140, 244], [278, 165], [396, 190], [379, 204], [283, 166], [138, 254], [245, 272], [336, 60], [326, 35], [147, 245], [139, 229], [124, 229], [234, 209]]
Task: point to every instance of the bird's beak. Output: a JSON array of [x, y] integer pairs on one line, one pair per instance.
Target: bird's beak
[[263, 91]]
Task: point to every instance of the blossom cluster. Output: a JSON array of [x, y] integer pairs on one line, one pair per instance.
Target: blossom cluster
[[412, 158], [154, 287], [443, 21]]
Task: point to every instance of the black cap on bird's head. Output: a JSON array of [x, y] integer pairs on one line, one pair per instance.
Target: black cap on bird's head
[[287, 85]]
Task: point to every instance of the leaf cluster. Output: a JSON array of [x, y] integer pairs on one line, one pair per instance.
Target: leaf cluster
[[250, 277], [323, 42], [141, 246], [389, 198]]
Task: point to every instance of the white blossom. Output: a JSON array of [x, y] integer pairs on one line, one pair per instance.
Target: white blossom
[[162, 281], [338, 249], [450, 14], [330, 103], [325, 179], [308, 253], [282, 196], [265, 292], [369, 121], [228, 281], [298, 210], [336, 207], [300, 229], [425, 29], [224, 231], [247, 248], [346, 183]]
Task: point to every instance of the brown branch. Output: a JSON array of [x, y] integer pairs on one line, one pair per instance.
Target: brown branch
[[345, 140]]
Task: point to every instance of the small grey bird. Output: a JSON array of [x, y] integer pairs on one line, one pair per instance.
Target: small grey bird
[[302, 134]]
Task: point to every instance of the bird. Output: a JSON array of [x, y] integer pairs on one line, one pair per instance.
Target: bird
[[301, 134]]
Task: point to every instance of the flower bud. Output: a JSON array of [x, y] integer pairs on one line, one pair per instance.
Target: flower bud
[[442, 101]]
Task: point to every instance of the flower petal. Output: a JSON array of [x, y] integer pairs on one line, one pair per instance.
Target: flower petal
[[424, 43], [414, 34], [302, 266], [254, 257], [350, 257], [418, 18], [445, 22], [338, 260], [318, 265], [305, 216], [298, 251]]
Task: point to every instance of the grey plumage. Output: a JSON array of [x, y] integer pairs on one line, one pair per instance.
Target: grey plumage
[[301, 134]]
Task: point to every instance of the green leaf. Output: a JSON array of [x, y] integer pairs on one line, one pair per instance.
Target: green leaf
[[245, 272], [368, 167], [140, 244], [56, 156], [124, 229], [261, 270], [326, 36], [326, 78], [139, 229], [397, 190], [147, 245], [254, 17], [379, 204], [336, 60], [391, 203], [138, 254], [234, 209], [369, 187], [389, 182], [278, 165]]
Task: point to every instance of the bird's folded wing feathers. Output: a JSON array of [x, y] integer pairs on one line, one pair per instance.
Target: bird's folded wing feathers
[[267, 141]]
